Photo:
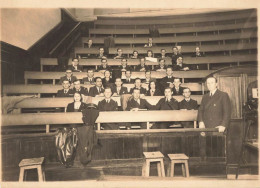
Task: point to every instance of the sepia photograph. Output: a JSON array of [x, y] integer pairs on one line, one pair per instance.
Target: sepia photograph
[[129, 94]]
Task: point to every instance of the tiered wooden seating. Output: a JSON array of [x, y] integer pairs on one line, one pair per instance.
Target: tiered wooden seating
[[118, 32]]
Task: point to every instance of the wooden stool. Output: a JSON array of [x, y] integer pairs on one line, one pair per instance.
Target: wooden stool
[[32, 163], [153, 157], [179, 158]]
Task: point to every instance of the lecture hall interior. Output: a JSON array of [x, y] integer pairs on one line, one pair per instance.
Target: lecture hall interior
[[129, 94]]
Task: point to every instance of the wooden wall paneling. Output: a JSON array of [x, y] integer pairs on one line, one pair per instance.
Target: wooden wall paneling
[[133, 147], [154, 143]]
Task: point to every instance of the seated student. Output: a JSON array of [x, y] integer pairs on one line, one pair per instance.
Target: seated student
[[96, 90], [136, 103], [101, 53], [119, 54], [150, 43], [138, 85], [79, 89], [135, 55], [90, 77], [167, 80], [177, 89], [187, 104], [197, 52], [162, 55], [142, 67], [89, 44], [175, 55], [128, 79], [166, 103], [107, 80], [68, 76], [66, 91], [149, 53], [75, 67], [148, 77], [103, 67], [161, 66], [180, 65], [153, 89], [77, 105], [124, 67], [108, 104], [118, 89]]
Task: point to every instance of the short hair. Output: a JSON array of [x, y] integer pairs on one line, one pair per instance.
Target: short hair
[[162, 60], [68, 70], [90, 70], [175, 47], [163, 49], [169, 67], [177, 78], [90, 39], [76, 81], [124, 59], [118, 49], [66, 80], [118, 78], [135, 51], [98, 78], [186, 88], [179, 56], [107, 88], [101, 48], [136, 89], [197, 47], [216, 80], [137, 79], [107, 71], [168, 88], [129, 71], [148, 71], [150, 51], [74, 58], [102, 59]]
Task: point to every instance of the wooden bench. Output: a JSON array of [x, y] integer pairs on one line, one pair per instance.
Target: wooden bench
[[192, 18], [104, 117], [177, 39]]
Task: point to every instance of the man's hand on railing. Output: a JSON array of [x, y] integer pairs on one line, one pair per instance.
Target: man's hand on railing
[[221, 128], [201, 125]]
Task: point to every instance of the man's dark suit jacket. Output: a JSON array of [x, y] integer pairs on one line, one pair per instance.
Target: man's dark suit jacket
[[157, 67], [174, 58], [98, 56], [139, 67], [122, 91], [79, 68], [174, 91], [70, 107], [143, 104], [125, 81], [142, 90], [179, 68], [107, 83], [157, 92], [61, 93], [191, 105], [73, 78], [101, 68], [86, 79], [82, 90], [150, 80], [93, 91], [160, 56], [215, 110], [127, 68], [164, 83], [123, 56], [163, 105], [104, 106]]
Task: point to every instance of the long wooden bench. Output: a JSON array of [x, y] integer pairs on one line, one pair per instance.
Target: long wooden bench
[[119, 31], [104, 117], [182, 39], [188, 60], [63, 102], [197, 18], [185, 49]]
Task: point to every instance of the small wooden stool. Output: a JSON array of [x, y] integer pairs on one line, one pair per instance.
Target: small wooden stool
[[32, 163], [179, 158], [153, 157]]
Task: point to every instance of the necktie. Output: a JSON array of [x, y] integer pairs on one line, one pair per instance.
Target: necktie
[[107, 101], [65, 91], [118, 91], [129, 80]]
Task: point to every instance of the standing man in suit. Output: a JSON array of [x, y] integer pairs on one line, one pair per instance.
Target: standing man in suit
[[188, 104], [75, 67], [79, 89], [142, 67], [101, 53], [138, 85], [66, 91], [166, 103], [90, 77], [119, 89], [128, 79], [96, 90], [177, 89], [68, 76], [108, 104], [168, 80], [215, 108]]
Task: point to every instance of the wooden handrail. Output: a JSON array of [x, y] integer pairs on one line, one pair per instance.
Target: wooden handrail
[[64, 38]]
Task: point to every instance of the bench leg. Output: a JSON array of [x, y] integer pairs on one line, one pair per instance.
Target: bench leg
[[172, 168], [162, 167], [21, 175], [147, 168], [183, 170], [159, 170], [143, 168], [40, 176], [187, 169]]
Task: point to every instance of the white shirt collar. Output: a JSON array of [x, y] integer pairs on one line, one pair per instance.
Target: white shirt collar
[[187, 99], [213, 92]]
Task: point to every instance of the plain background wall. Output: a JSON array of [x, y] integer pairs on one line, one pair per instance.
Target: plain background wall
[[23, 27]]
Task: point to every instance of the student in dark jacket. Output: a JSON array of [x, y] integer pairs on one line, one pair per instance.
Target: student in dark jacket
[[75, 67], [97, 90], [166, 103], [167, 80], [79, 89], [175, 55], [162, 55], [150, 43], [103, 66], [180, 66], [161, 66], [153, 89], [197, 52], [118, 89], [138, 85], [119, 54], [66, 91], [108, 104], [68, 76], [177, 89], [124, 67], [101, 54], [135, 55], [77, 105], [128, 79], [142, 67], [188, 104], [90, 77], [107, 80]]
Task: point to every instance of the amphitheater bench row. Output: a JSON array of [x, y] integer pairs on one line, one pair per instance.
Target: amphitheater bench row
[[63, 102], [104, 117], [198, 18], [195, 29], [133, 62], [177, 39]]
